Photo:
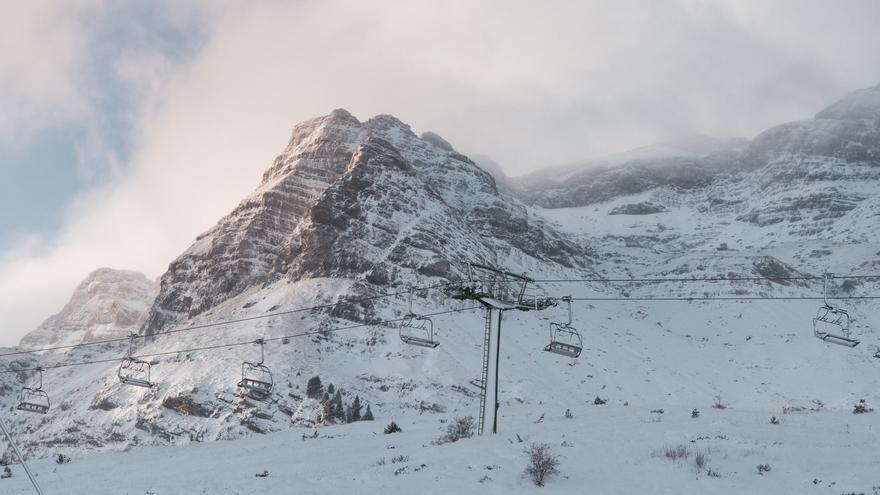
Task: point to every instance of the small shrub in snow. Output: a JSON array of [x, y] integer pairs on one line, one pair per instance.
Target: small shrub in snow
[[392, 428], [718, 404], [774, 420], [264, 474], [7, 472], [695, 413], [763, 468], [598, 401], [399, 459], [700, 461], [862, 408], [62, 459], [542, 463], [457, 429], [568, 414], [674, 453]]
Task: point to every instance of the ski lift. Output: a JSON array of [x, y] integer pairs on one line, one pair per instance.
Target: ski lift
[[134, 371], [34, 399], [256, 378], [499, 289], [416, 329], [831, 323], [564, 338]]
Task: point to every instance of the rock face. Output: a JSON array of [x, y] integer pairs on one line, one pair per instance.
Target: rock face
[[107, 304], [370, 202]]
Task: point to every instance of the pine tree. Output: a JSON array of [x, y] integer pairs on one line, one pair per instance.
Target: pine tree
[[338, 407], [314, 388], [325, 398], [331, 389], [368, 416], [355, 409], [327, 413]]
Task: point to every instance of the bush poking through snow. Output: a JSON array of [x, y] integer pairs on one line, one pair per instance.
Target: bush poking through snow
[[598, 401], [695, 413], [542, 463], [674, 453], [392, 428], [264, 474], [718, 404], [700, 461], [7, 472], [862, 408], [774, 420], [62, 459], [763, 468], [457, 429]]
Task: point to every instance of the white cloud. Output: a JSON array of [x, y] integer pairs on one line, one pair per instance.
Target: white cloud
[[42, 48], [529, 83]]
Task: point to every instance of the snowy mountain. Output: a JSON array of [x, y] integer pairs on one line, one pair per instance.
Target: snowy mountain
[[107, 304], [355, 209], [371, 203]]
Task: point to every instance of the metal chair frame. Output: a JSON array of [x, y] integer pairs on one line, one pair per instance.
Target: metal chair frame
[[420, 324], [134, 371], [829, 315], [34, 399], [570, 346], [256, 378]]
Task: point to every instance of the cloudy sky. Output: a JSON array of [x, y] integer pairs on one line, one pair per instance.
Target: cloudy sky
[[127, 128]]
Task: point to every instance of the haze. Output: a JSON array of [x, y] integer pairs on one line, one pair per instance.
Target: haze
[[129, 128]]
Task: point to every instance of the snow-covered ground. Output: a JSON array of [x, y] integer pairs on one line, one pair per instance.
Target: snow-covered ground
[[609, 448], [759, 359]]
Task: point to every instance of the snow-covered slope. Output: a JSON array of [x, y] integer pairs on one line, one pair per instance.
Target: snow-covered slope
[[355, 209]]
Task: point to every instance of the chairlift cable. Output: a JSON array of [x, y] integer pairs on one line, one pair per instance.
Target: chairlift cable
[[228, 344], [220, 322]]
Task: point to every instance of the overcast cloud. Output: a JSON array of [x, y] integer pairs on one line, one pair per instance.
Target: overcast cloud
[[530, 84]]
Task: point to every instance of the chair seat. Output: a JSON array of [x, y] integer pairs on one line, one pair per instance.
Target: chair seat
[[31, 407], [419, 341], [563, 349], [839, 340], [137, 382]]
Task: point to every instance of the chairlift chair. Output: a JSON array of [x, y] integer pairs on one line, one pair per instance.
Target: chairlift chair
[[416, 329], [831, 323], [34, 399], [256, 378], [564, 338], [134, 371]]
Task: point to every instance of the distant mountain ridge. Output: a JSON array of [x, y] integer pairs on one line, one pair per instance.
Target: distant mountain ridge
[[847, 130]]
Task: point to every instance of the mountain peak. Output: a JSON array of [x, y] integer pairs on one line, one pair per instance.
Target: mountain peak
[[107, 303], [858, 105]]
